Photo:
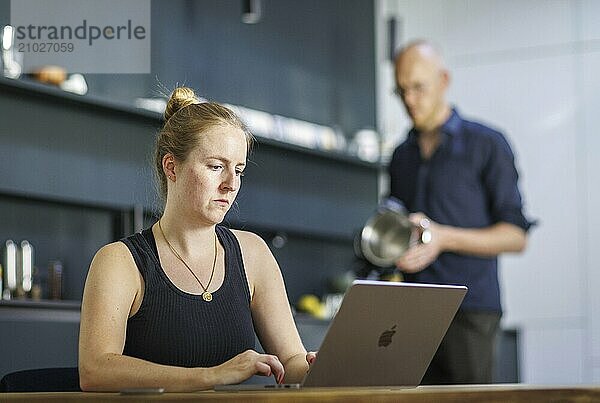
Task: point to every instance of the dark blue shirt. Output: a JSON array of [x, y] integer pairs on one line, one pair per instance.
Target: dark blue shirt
[[471, 182]]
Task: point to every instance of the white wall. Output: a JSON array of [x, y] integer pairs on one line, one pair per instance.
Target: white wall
[[532, 69]]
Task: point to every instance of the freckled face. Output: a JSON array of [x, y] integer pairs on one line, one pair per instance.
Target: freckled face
[[210, 178]]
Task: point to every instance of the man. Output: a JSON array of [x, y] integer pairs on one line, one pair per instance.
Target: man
[[461, 176]]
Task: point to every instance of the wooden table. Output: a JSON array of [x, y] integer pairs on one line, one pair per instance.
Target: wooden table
[[475, 393]]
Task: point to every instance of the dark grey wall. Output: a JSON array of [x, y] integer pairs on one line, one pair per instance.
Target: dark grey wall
[[311, 59], [4, 12]]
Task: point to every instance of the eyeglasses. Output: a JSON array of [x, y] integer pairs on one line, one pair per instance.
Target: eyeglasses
[[417, 89]]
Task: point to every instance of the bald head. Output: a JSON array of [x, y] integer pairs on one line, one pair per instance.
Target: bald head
[[421, 50], [422, 80]]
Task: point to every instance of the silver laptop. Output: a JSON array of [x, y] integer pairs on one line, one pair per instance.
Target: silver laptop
[[384, 334]]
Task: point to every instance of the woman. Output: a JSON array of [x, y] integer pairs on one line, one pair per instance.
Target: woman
[[176, 305]]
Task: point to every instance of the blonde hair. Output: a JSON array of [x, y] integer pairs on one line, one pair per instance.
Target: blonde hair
[[186, 118]]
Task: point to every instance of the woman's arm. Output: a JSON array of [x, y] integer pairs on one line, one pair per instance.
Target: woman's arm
[[271, 312], [112, 288]]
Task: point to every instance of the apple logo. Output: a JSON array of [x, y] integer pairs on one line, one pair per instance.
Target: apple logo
[[386, 337]]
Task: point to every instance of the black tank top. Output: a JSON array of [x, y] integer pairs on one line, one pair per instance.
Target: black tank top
[[173, 327]]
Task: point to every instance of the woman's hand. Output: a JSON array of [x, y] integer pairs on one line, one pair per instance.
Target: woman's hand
[[248, 363]]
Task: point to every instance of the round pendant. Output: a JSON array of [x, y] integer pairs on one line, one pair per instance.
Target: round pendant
[[207, 296]]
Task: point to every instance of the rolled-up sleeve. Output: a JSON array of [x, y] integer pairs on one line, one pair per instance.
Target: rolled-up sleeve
[[500, 178]]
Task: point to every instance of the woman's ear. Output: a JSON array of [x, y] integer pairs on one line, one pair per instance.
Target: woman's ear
[[168, 164]]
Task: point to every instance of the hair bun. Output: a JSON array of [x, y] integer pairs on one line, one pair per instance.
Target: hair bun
[[180, 98]]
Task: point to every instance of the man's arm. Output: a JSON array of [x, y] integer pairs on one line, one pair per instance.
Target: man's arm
[[490, 241], [485, 242]]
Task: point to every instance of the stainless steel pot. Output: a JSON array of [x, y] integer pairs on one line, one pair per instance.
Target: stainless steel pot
[[389, 233]]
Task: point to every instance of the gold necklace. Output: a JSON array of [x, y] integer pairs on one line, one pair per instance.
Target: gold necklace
[[207, 296]]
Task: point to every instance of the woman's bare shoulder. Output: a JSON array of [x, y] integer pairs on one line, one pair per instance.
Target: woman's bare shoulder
[[114, 250], [248, 239], [114, 259]]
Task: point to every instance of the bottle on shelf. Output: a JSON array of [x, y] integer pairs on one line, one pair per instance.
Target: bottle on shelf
[[55, 274], [10, 269], [36, 287], [24, 269]]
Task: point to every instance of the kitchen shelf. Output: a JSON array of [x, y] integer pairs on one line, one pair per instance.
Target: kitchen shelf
[[41, 304], [48, 92], [24, 310]]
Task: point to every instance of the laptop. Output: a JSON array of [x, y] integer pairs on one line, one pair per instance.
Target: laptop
[[384, 334]]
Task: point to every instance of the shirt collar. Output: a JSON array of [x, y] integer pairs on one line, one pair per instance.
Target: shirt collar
[[450, 127], [453, 124]]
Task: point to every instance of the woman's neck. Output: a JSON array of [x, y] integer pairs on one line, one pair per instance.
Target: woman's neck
[[183, 232]]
